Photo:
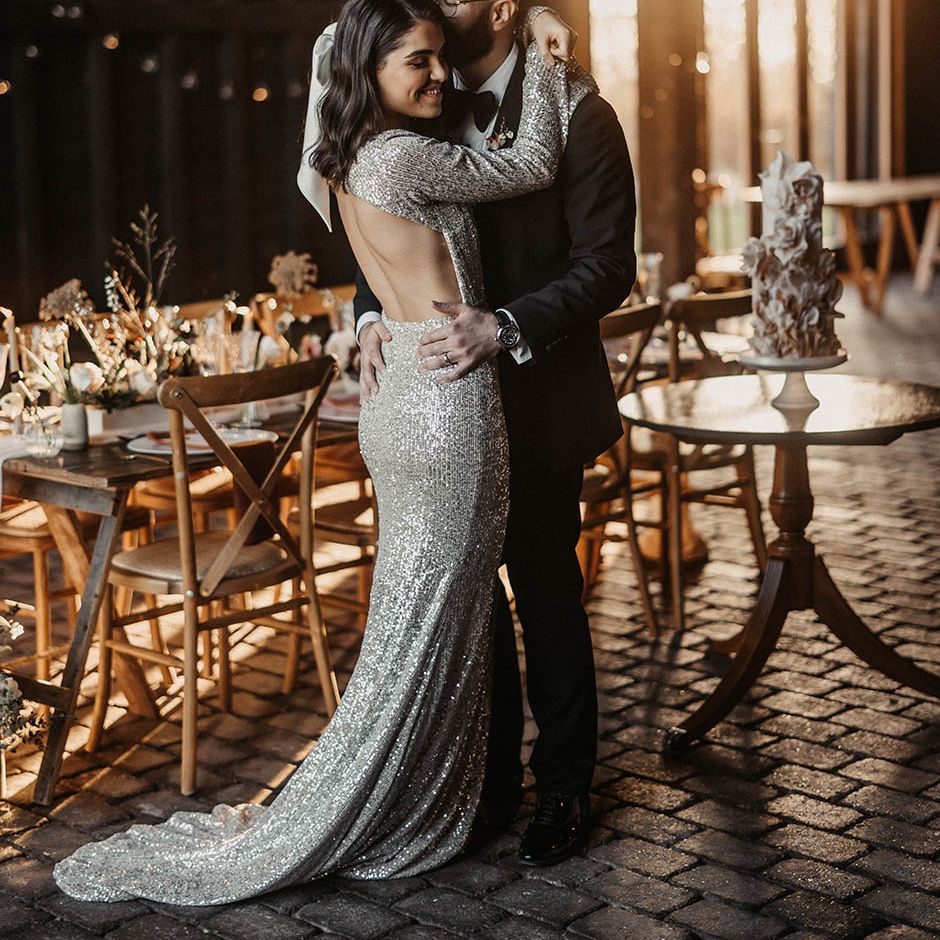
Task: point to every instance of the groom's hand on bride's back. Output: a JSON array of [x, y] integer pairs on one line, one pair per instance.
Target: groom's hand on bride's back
[[371, 360], [465, 342]]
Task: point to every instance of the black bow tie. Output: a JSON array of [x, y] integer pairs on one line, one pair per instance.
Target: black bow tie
[[482, 104]]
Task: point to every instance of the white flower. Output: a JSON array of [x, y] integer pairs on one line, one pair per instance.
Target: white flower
[[141, 379], [85, 377], [11, 405]]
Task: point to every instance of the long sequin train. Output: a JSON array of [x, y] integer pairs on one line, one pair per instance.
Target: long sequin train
[[392, 785]]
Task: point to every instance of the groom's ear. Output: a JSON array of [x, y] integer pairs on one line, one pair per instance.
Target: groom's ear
[[503, 14]]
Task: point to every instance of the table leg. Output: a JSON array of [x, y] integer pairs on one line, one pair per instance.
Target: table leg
[[854, 255], [109, 533], [787, 585], [795, 580], [910, 235], [834, 610], [77, 563], [757, 643], [885, 254], [929, 250]]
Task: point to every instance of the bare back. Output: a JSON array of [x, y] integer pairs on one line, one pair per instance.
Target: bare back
[[407, 264]]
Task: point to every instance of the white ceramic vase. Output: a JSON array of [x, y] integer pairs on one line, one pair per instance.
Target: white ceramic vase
[[74, 423]]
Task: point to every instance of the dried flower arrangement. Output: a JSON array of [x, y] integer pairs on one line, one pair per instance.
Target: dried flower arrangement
[[134, 347], [291, 274], [19, 724]]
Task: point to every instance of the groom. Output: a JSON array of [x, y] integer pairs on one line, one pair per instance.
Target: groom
[[555, 262]]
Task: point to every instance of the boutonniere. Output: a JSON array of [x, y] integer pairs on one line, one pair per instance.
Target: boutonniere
[[498, 139]]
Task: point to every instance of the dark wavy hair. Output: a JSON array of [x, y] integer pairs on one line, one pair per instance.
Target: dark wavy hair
[[367, 31]]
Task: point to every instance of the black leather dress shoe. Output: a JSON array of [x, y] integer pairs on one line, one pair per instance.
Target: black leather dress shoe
[[557, 830]]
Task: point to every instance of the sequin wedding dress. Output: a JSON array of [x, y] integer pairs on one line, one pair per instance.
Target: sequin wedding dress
[[391, 787]]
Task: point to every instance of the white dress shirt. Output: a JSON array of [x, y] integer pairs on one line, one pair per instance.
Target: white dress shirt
[[470, 136]]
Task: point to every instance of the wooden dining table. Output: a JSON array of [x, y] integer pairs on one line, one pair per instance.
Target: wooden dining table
[[852, 410], [891, 199], [98, 480]]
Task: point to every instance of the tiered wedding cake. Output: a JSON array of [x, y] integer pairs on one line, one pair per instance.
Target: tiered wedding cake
[[793, 277]]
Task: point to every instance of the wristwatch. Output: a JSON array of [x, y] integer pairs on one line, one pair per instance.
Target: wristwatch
[[507, 333]]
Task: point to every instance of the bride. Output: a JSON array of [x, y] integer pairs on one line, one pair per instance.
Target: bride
[[391, 788]]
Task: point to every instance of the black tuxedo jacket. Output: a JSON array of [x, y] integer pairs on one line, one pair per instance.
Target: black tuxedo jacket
[[559, 260]]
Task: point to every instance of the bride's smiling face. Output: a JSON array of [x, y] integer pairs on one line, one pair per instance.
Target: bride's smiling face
[[411, 77]]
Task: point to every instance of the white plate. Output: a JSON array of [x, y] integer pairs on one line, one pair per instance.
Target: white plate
[[196, 443], [341, 407]]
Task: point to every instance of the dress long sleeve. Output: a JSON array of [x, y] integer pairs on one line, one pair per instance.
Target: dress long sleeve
[[422, 169]]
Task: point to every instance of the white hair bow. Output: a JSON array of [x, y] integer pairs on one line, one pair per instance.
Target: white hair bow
[[311, 183]]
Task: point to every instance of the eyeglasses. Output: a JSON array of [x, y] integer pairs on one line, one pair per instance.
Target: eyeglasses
[[450, 7]]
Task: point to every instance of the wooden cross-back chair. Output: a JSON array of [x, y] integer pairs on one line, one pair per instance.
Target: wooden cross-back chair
[[677, 464], [203, 309], [269, 307], [208, 568], [609, 487], [695, 316]]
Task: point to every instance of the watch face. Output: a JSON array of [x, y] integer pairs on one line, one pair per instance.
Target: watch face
[[508, 336]]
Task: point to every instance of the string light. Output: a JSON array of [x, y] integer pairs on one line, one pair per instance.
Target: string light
[[190, 80], [5, 86], [295, 89], [261, 93], [32, 52], [702, 65], [111, 41], [149, 64], [226, 92], [675, 60]]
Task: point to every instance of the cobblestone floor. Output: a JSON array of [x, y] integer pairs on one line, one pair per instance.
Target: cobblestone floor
[[813, 812]]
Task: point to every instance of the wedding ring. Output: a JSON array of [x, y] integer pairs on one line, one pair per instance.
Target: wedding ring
[[448, 360]]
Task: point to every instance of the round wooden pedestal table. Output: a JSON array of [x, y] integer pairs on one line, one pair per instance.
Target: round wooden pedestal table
[[738, 410]]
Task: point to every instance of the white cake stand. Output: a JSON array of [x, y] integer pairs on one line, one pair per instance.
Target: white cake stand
[[795, 394]]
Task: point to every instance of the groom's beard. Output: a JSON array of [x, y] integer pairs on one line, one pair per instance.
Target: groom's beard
[[472, 42]]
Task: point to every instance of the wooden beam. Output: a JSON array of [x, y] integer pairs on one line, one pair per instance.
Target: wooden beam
[[846, 90], [884, 88], [898, 90], [802, 82], [755, 152], [669, 152]]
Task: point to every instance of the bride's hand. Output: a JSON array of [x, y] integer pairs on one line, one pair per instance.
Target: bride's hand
[[554, 37], [371, 360]]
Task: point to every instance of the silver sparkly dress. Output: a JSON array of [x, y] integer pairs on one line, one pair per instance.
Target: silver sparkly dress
[[391, 788]]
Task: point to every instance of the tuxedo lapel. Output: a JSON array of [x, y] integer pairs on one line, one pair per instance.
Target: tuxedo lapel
[[510, 110]]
